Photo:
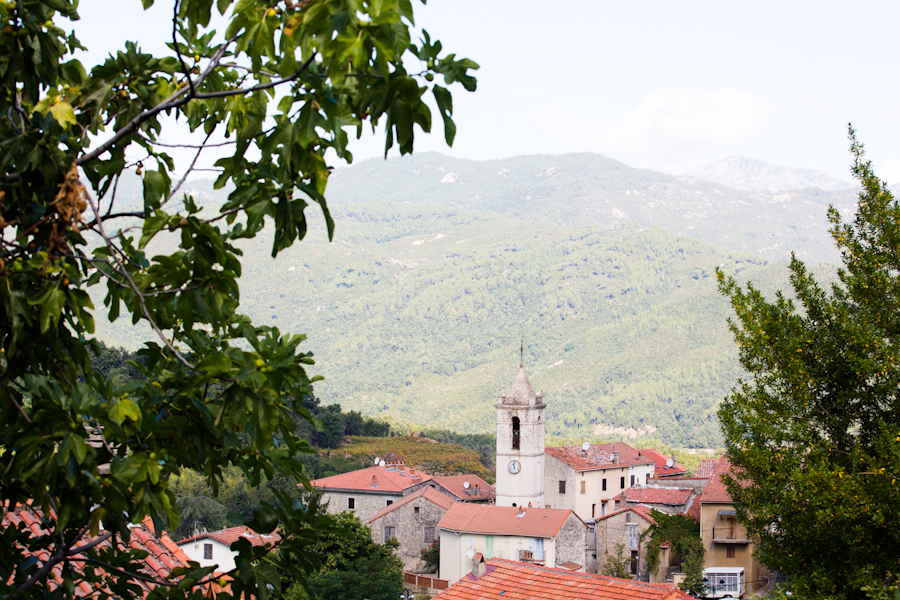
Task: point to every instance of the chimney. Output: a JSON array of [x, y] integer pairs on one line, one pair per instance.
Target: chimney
[[521, 512], [479, 569], [615, 457], [477, 491]]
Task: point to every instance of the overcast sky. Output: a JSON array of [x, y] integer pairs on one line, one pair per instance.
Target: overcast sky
[[659, 84]]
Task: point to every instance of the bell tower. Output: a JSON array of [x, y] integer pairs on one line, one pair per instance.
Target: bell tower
[[520, 445]]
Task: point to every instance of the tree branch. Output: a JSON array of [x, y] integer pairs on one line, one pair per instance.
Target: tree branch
[[190, 168]]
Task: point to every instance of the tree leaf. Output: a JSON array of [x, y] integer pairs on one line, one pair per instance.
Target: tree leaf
[[63, 113]]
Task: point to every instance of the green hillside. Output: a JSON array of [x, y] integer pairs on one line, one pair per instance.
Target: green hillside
[[415, 313]]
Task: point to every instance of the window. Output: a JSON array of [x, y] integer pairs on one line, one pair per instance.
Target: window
[[647, 479], [731, 526], [207, 551], [628, 517], [515, 433], [416, 510], [604, 485], [389, 502], [429, 535], [351, 503], [622, 483], [593, 510], [489, 546], [603, 509], [632, 535], [632, 481], [389, 532], [634, 562], [582, 487], [562, 487], [729, 551]]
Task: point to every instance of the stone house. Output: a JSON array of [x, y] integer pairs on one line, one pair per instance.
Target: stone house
[[366, 491], [214, 548], [587, 481], [626, 526], [725, 539], [536, 535], [465, 488], [413, 521]]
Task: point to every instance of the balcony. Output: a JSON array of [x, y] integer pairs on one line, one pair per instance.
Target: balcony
[[535, 556], [728, 535]]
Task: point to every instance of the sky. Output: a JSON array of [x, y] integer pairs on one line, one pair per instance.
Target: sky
[[663, 85]]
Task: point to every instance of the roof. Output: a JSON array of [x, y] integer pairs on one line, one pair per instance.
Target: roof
[[715, 490], [706, 467], [661, 459], [163, 556], [667, 496], [233, 534], [598, 456], [442, 500], [644, 511], [454, 485], [390, 478], [509, 580], [491, 519], [521, 391]]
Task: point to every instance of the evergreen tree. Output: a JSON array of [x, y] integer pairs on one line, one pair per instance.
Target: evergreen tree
[[814, 432]]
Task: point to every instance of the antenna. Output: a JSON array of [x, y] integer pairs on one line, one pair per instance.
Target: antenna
[[377, 459], [469, 543], [381, 463], [586, 446], [522, 353], [670, 463], [470, 553], [466, 484]]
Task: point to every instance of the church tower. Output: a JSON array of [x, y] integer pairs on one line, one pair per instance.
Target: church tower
[[520, 445]]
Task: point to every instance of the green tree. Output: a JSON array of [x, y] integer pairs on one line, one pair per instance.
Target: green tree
[[617, 564], [682, 533], [354, 567], [814, 432], [282, 83]]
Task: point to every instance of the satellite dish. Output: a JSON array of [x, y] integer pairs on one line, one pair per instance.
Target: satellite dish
[[470, 553], [586, 446], [469, 543], [670, 463], [381, 463], [377, 459], [466, 484]]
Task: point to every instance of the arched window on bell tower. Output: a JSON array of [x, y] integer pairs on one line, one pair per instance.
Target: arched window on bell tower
[[515, 433]]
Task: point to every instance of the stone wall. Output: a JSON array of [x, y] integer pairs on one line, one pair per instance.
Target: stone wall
[[570, 542], [410, 521], [614, 530], [366, 505]]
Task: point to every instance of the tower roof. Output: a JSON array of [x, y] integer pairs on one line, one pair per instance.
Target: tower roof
[[521, 391]]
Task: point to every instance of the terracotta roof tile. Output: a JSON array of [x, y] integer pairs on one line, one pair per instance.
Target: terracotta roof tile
[[715, 490], [429, 493], [598, 456], [386, 479], [509, 580], [667, 496], [233, 534], [504, 520], [454, 485], [660, 459], [706, 467]]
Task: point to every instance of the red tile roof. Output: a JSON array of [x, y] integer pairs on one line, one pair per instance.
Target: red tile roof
[[660, 459], [163, 556], [386, 479], [706, 467], [442, 500], [454, 485], [644, 511], [667, 496], [715, 490], [598, 456], [509, 580], [233, 534], [693, 510], [504, 520]]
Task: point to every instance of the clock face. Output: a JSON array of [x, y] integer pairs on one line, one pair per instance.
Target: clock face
[[514, 467]]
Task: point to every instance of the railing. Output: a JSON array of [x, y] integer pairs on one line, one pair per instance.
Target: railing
[[730, 535], [531, 555], [426, 581]]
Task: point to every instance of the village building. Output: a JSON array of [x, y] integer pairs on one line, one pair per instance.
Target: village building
[[413, 521], [366, 491], [498, 579], [626, 526], [536, 535], [666, 466], [587, 478], [214, 548], [465, 488], [725, 540], [669, 500]]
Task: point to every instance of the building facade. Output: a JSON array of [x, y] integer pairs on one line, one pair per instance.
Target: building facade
[[214, 548], [520, 445], [625, 526]]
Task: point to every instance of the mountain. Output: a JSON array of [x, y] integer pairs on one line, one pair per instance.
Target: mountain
[[417, 309], [742, 173]]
